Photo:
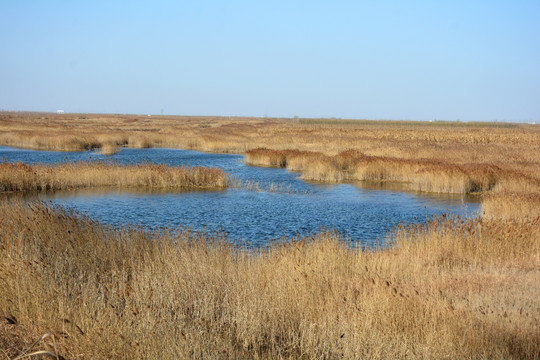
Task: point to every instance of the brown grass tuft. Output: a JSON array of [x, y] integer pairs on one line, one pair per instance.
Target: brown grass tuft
[[109, 148]]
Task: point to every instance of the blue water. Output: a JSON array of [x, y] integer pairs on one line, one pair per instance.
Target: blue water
[[361, 214]]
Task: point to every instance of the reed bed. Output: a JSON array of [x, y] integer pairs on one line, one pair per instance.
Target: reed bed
[[452, 288], [511, 205], [435, 156], [428, 156], [400, 123], [451, 141], [422, 175], [508, 192], [16, 177]]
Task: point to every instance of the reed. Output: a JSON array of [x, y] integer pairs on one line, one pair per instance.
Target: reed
[[432, 156], [421, 175], [511, 205], [109, 148], [452, 288], [22, 177]]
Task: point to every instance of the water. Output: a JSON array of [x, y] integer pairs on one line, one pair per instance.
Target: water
[[362, 214]]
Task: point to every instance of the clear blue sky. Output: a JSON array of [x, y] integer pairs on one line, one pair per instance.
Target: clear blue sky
[[417, 60]]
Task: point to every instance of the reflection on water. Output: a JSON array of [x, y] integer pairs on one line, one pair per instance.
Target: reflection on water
[[363, 214]]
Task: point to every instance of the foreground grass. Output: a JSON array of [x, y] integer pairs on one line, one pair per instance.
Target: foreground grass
[[452, 288], [22, 177]]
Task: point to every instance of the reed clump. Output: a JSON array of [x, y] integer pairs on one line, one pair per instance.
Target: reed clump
[[109, 148], [452, 288], [509, 193], [511, 205], [351, 165], [65, 176]]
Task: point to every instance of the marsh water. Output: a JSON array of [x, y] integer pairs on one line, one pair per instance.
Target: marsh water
[[283, 204]]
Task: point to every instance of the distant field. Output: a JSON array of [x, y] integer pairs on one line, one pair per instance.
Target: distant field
[[481, 124]]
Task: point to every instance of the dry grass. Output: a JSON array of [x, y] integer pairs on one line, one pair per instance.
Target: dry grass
[[421, 175], [428, 156], [400, 123], [452, 288], [109, 148], [66, 176], [511, 205], [459, 143]]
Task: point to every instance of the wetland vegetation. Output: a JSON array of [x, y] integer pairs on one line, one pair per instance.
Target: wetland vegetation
[[449, 288], [21, 177]]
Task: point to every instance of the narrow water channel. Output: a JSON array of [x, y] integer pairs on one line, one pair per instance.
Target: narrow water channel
[[363, 215]]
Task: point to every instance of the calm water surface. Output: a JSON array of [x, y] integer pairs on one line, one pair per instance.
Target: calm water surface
[[361, 214]]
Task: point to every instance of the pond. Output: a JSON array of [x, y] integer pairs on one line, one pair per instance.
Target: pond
[[363, 215]]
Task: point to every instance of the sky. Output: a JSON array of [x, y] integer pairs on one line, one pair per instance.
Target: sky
[[401, 60]]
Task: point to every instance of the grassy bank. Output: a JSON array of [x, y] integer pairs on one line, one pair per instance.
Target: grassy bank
[[22, 177], [507, 194], [452, 288]]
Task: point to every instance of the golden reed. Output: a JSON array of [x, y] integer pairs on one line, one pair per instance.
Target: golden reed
[[22, 177], [423, 175], [454, 157], [452, 288]]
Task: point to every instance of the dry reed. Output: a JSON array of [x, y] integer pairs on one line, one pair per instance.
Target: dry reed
[[109, 149], [511, 205], [65, 176], [453, 288], [438, 156], [422, 175]]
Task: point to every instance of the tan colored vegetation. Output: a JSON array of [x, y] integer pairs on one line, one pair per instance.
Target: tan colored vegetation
[[428, 156], [419, 174], [109, 148], [511, 205], [452, 288], [66, 176]]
